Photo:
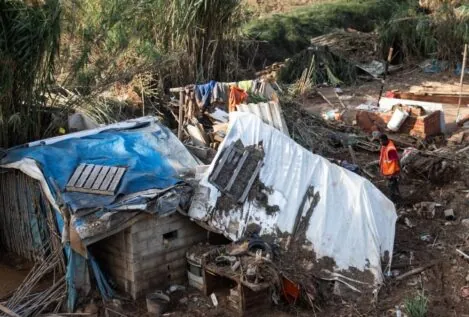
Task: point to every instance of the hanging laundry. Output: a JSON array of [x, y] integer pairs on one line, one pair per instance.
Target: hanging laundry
[[221, 94], [248, 85], [237, 96], [203, 95]]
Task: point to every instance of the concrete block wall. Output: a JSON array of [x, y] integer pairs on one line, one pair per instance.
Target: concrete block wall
[[114, 255], [150, 254]]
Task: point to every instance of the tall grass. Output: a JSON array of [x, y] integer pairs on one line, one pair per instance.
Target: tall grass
[[194, 37], [29, 42], [414, 34]]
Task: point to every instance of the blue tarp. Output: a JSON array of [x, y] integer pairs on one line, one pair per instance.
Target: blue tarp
[[142, 151]]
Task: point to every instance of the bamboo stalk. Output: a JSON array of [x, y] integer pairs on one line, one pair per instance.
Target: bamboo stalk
[[8, 311]]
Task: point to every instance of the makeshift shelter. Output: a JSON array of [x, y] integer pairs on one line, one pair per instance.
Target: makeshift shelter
[[90, 185], [336, 220]]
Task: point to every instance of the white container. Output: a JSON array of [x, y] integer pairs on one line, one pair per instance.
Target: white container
[[398, 118]]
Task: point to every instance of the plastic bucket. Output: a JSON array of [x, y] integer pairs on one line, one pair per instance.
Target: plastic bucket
[[157, 303], [397, 119]]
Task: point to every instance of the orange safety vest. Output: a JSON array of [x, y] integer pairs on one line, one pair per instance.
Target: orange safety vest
[[388, 167]]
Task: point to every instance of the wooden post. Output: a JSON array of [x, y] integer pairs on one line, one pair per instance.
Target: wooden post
[[386, 67], [143, 97], [181, 114], [463, 69]]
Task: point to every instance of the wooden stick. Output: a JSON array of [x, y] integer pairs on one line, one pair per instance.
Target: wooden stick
[[386, 67], [115, 312], [415, 271], [327, 100], [181, 114], [340, 100], [8, 311], [462, 150], [463, 70], [352, 154], [368, 173], [463, 254], [143, 97]]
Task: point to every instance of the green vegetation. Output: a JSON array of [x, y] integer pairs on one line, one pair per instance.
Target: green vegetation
[[417, 306], [321, 67], [188, 40], [415, 34], [29, 43], [104, 42], [290, 33]]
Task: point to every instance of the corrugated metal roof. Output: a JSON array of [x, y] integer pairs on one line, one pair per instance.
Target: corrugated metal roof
[[270, 112]]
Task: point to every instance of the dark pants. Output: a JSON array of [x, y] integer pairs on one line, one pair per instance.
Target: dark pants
[[393, 185]]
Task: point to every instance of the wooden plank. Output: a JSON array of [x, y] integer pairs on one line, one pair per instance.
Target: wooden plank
[[251, 181], [221, 163], [76, 175], [101, 176], [94, 174], [177, 89], [446, 99], [109, 177], [117, 179], [237, 170], [84, 176]]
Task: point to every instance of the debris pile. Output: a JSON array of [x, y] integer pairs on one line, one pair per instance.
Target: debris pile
[[202, 111]]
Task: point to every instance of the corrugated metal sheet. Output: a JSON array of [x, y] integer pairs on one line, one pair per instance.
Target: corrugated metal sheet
[[270, 112]]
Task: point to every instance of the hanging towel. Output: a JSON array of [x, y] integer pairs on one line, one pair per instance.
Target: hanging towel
[[237, 96], [247, 85], [203, 94]]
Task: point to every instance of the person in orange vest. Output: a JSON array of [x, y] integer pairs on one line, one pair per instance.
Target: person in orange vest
[[389, 165]]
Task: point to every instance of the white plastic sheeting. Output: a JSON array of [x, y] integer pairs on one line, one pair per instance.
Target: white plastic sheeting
[[270, 112], [353, 222]]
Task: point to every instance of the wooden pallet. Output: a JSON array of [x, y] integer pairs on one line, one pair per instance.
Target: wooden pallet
[[233, 162], [95, 179]]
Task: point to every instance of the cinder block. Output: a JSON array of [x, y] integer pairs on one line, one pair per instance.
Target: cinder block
[[140, 260], [145, 235]]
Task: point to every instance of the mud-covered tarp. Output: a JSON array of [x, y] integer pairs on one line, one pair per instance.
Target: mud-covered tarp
[[352, 222]]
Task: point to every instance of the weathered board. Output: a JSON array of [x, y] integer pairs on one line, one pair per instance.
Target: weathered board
[[95, 179], [236, 170]]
